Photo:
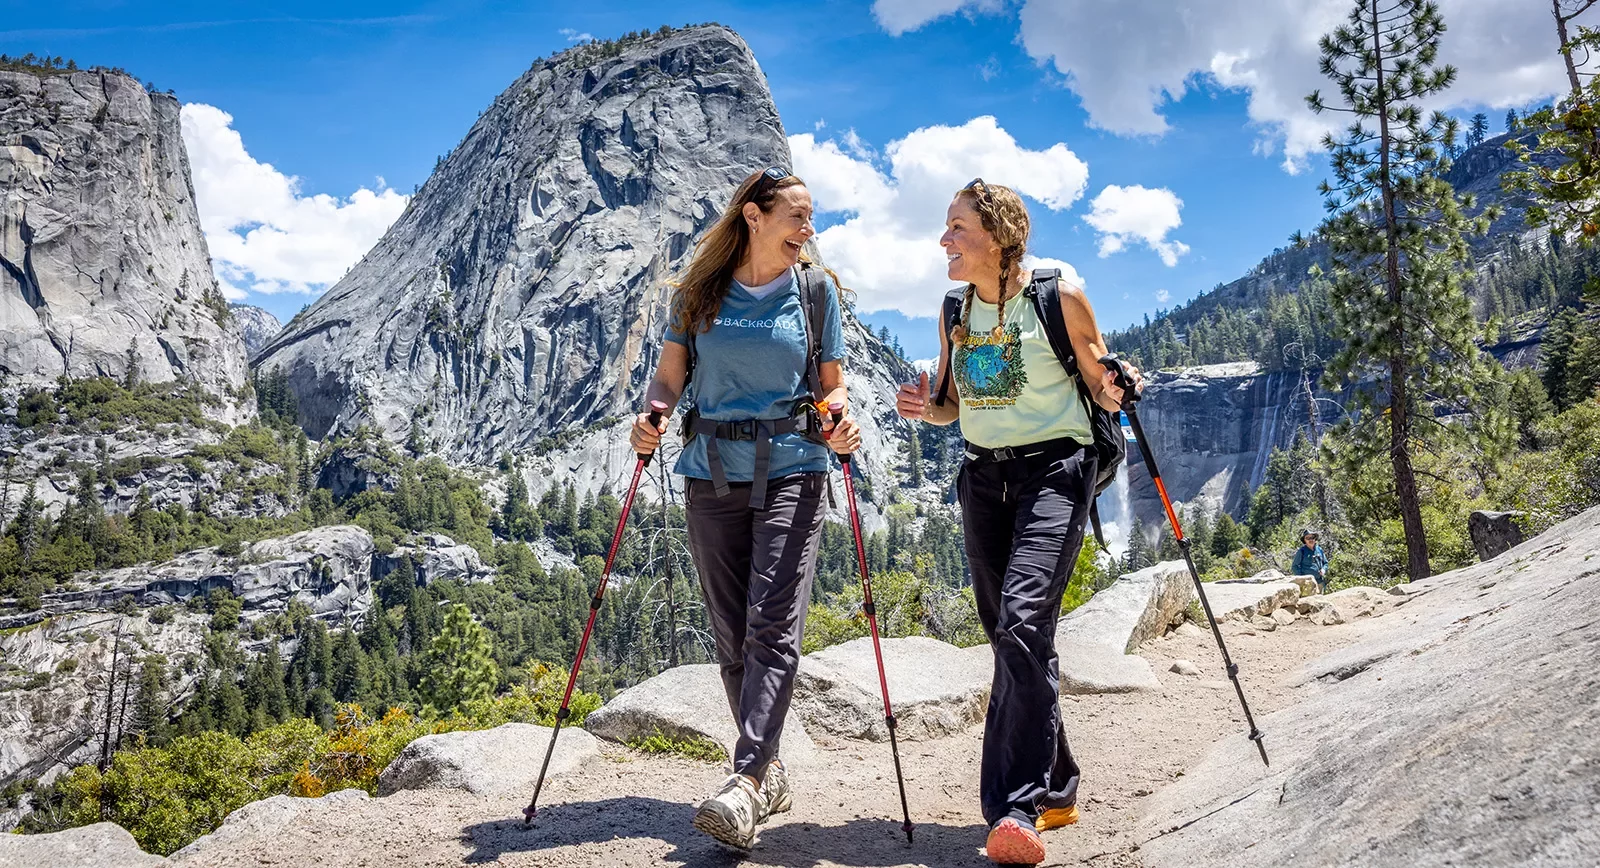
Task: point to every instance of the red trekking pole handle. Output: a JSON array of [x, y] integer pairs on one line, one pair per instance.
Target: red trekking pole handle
[[836, 408], [657, 409]]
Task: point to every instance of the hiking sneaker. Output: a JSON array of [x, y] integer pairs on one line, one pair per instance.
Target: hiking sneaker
[[1014, 842], [775, 798], [1055, 818], [730, 816]]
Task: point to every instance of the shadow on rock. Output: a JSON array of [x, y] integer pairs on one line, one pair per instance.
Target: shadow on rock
[[869, 843]]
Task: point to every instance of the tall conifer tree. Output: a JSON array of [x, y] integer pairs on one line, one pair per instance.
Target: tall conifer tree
[[1397, 235]]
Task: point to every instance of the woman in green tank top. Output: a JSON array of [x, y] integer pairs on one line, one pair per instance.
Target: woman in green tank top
[[1025, 490]]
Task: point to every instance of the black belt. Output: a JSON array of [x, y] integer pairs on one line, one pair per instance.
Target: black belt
[[759, 430], [1060, 445]]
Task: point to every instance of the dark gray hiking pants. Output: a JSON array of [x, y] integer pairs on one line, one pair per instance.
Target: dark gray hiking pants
[[756, 567], [1023, 523]]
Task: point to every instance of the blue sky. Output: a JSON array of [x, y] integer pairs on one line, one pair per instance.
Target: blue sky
[[1202, 109]]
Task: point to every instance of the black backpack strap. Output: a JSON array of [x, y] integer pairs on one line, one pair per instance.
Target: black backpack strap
[[949, 315], [814, 300]]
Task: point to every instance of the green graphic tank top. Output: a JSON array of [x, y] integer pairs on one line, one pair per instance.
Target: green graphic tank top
[[1013, 389]]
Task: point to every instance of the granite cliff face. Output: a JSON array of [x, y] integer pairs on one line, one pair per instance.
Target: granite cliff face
[[257, 326], [521, 295], [103, 265]]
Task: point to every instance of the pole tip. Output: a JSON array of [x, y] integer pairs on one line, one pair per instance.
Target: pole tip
[[907, 828], [528, 814]]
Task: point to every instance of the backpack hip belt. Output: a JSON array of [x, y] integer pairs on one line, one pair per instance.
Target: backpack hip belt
[[761, 431]]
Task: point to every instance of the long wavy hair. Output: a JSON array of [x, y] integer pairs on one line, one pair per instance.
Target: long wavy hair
[[1003, 216], [704, 284]]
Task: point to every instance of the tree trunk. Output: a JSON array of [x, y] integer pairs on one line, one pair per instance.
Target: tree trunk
[[1566, 56], [1405, 479]]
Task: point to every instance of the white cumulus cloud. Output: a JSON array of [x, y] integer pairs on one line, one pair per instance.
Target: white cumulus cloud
[[1162, 296], [887, 247], [1127, 61], [264, 235], [900, 16], [1126, 215]]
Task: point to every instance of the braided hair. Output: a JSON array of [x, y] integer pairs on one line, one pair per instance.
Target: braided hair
[[1003, 216]]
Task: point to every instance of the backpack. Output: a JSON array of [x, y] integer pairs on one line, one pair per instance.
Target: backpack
[[1109, 444]]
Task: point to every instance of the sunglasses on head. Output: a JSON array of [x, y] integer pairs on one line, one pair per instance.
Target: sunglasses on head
[[770, 176], [976, 185]]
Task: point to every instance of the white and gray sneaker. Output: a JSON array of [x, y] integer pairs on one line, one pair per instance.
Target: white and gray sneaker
[[775, 798], [730, 816]]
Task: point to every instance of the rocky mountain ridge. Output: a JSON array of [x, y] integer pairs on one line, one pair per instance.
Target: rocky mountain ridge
[[522, 295], [104, 270]]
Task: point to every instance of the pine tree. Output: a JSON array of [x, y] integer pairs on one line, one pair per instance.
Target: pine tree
[[351, 682], [1478, 130], [1397, 239], [228, 708], [460, 664], [150, 705], [1511, 120], [1139, 554], [1227, 538]]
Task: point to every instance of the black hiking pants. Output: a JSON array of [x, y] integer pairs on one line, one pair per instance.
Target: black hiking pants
[[756, 567], [1023, 522]]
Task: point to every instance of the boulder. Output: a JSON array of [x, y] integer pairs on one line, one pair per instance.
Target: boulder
[[259, 821], [102, 845], [1242, 600], [1284, 616], [1136, 608], [685, 702], [1494, 532], [1087, 668], [500, 760], [936, 688], [1460, 734], [1321, 611], [1184, 667]]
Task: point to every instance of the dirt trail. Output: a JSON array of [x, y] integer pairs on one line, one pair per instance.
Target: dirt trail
[[630, 809]]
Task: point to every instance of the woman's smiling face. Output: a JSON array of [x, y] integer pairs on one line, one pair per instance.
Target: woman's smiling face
[[783, 229], [969, 249]]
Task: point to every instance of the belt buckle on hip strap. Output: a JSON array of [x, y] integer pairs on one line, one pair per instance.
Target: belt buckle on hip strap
[[1004, 453], [744, 429]]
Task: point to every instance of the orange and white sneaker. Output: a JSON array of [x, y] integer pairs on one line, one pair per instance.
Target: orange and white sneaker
[[1055, 818], [1013, 842]]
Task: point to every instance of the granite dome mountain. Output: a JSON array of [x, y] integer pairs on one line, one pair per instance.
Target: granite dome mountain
[[522, 292]]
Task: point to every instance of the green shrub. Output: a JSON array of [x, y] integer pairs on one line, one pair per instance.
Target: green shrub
[[689, 746]]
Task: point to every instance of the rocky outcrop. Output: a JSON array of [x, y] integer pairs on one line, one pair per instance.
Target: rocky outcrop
[[101, 845], [1458, 732], [1245, 600], [259, 820], [327, 568], [1494, 532], [103, 267], [518, 304], [505, 759], [435, 558], [53, 682], [1136, 608], [686, 702], [257, 326], [936, 688]]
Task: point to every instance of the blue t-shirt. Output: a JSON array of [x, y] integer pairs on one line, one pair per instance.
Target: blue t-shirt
[[752, 365]]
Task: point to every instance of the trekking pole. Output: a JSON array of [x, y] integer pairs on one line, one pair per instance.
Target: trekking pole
[[872, 620], [1130, 398], [657, 408]]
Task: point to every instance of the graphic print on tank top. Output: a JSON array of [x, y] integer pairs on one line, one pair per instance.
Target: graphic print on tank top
[[989, 372]]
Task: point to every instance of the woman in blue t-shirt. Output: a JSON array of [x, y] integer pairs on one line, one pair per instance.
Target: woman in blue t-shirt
[[757, 332]]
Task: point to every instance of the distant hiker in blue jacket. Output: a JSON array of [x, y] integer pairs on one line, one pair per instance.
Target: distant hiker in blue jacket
[[758, 333], [1311, 560]]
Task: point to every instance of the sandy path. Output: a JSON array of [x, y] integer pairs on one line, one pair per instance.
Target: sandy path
[[629, 809]]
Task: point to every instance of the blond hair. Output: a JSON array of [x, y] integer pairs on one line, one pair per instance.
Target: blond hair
[[1005, 218]]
